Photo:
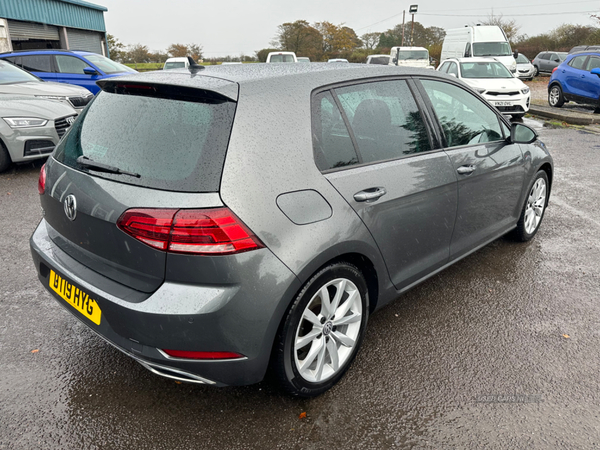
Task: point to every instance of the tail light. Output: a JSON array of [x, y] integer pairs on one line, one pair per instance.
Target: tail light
[[42, 180], [554, 69], [202, 355], [192, 231]]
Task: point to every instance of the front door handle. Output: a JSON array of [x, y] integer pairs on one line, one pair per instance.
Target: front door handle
[[466, 170], [370, 195]]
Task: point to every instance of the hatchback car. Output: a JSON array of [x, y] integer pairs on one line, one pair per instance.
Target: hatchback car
[[546, 62], [30, 128], [184, 231], [493, 81], [64, 66], [577, 79], [16, 81], [525, 69]]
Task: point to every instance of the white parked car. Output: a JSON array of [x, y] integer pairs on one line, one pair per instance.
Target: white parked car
[[303, 59], [337, 60], [282, 57], [181, 62], [493, 81], [410, 57], [378, 59], [525, 69]]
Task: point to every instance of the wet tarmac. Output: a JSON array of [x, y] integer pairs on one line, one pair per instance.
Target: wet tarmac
[[502, 350]]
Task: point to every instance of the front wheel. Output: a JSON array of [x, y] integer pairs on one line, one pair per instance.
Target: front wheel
[[555, 96], [534, 208], [322, 331], [5, 161], [536, 71]]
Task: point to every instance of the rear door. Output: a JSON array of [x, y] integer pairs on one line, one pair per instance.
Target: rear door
[[591, 82], [70, 70], [490, 171], [374, 145], [574, 76], [171, 141]]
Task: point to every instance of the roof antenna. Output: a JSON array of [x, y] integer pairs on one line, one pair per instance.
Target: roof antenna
[[193, 67]]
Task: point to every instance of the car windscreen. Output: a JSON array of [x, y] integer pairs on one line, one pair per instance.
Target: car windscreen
[[170, 144], [108, 66], [282, 58], [380, 60], [484, 69], [405, 55], [174, 65], [10, 74], [562, 55], [522, 59], [491, 49]]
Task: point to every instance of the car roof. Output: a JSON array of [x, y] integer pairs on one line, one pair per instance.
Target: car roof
[[472, 59], [52, 51], [315, 74]]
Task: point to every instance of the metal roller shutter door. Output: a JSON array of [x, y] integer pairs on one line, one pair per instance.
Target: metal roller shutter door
[[90, 41], [27, 30]]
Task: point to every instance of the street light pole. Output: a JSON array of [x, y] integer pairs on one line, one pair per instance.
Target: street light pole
[[412, 9], [403, 18]]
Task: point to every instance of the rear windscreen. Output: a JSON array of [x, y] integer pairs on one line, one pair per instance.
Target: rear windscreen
[[170, 144]]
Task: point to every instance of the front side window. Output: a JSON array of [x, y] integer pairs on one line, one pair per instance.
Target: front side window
[[385, 120], [465, 119], [36, 63], [70, 64], [578, 62], [593, 63]]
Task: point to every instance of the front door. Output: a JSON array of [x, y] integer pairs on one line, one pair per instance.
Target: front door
[[490, 171], [375, 148]]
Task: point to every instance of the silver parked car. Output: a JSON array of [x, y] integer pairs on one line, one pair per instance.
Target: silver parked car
[[16, 81], [187, 229], [546, 62], [30, 128], [525, 69]]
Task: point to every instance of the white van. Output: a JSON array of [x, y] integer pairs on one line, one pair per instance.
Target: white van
[[410, 57], [282, 57], [177, 63], [480, 40]]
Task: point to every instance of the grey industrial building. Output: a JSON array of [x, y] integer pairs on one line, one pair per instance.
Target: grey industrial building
[[47, 24]]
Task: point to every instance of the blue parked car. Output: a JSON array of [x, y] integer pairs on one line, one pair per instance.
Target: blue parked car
[[65, 66], [576, 79]]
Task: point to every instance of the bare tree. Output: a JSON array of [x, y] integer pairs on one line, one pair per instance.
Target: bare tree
[[510, 26]]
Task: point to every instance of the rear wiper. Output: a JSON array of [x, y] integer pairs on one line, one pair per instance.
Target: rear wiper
[[101, 167]]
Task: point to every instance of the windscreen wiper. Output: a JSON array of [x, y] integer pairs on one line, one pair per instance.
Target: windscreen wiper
[[101, 167]]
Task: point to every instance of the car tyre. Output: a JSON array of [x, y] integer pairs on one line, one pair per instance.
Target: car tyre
[[322, 331], [534, 208], [518, 116], [536, 71], [555, 96], [5, 160]]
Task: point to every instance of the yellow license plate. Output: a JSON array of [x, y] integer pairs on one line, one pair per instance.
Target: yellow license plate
[[75, 297]]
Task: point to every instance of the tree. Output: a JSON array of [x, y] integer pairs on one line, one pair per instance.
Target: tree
[[299, 37], [510, 27], [177, 50], [115, 48], [195, 51], [261, 55], [370, 40], [137, 53]]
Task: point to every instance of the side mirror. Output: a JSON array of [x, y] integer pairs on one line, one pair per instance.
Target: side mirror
[[556, 60], [89, 71], [516, 54], [522, 134], [596, 71]]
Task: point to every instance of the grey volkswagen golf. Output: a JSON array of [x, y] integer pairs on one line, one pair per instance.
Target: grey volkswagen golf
[[214, 223]]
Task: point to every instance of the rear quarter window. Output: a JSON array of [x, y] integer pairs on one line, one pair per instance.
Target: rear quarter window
[[172, 144]]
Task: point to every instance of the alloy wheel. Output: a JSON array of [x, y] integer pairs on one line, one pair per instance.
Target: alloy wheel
[[328, 330], [535, 205]]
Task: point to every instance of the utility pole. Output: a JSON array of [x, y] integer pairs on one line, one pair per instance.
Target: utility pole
[[403, 17], [412, 9]]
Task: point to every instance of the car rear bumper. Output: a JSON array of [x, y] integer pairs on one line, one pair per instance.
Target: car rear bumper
[[234, 318]]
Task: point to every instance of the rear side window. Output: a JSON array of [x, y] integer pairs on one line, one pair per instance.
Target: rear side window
[[172, 144], [578, 62], [37, 63], [544, 56]]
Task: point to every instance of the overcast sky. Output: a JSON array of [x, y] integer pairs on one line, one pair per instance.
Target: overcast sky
[[231, 27]]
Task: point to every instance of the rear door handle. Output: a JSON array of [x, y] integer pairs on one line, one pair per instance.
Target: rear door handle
[[466, 170], [370, 195]]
